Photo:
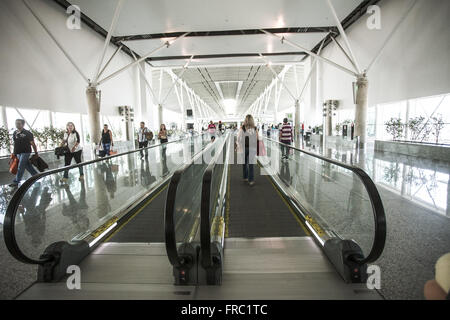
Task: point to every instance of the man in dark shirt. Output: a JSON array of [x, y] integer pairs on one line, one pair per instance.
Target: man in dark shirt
[[23, 141]]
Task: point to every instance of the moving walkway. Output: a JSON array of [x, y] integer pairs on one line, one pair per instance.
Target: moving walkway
[[308, 229]]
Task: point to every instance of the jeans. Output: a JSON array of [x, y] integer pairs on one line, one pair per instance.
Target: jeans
[[68, 159], [24, 163], [106, 148], [143, 145], [248, 168], [285, 149]]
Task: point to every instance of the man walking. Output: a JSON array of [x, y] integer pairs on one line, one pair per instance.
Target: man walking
[[286, 136], [143, 132], [23, 141]]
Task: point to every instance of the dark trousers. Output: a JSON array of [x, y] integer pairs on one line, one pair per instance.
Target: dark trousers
[[143, 145], [68, 159], [285, 149], [248, 167]]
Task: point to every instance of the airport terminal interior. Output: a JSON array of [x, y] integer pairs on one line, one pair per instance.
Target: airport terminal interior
[[220, 150]]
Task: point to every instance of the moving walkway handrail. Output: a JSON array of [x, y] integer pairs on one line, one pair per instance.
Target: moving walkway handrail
[[169, 212], [205, 226], [375, 200], [11, 211]]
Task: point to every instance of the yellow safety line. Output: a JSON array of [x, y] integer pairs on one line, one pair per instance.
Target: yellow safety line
[[138, 211], [289, 207]]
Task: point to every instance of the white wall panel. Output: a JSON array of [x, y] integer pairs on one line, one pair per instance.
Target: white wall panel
[[35, 73]]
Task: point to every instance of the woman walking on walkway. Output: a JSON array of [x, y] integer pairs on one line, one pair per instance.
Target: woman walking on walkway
[[246, 147], [74, 150]]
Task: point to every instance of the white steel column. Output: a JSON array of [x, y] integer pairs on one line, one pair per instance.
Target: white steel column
[[50, 118], [160, 115], [81, 130], [93, 98], [4, 117], [361, 109], [297, 126], [143, 93]]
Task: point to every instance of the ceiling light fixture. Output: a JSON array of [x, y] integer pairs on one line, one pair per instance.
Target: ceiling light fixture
[[230, 105]]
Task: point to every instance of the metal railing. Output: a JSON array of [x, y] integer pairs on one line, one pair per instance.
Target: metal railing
[[375, 200], [13, 206]]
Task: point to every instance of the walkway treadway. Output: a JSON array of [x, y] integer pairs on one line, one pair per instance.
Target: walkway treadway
[[259, 210]]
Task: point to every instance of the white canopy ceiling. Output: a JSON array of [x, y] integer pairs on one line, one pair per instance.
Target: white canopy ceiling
[[149, 21]]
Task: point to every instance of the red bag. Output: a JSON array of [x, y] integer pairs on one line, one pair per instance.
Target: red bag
[[113, 152], [261, 149], [13, 164]]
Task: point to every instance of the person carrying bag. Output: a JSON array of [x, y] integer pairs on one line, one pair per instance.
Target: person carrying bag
[[74, 150], [13, 164]]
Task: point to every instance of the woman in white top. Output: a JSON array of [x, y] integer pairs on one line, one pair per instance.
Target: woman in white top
[[74, 150], [246, 147]]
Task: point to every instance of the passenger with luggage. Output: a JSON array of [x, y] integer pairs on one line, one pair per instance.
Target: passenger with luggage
[[162, 135], [106, 142], [23, 141], [73, 150], [212, 129], [143, 137]]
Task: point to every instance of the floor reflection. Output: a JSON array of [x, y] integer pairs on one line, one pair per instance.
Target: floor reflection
[[425, 182]]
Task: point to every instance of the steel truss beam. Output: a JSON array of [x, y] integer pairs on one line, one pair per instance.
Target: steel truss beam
[[226, 33], [347, 22], [228, 55]]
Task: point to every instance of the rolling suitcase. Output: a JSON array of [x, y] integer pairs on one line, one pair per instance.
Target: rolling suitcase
[[39, 163]]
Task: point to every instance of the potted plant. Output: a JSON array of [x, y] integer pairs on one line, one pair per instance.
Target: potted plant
[[5, 139], [395, 127], [437, 126], [49, 137], [419, 128]]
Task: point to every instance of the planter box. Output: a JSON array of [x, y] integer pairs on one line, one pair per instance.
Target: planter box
[[339, 141], [317, 139], [53, 162], [435, 152]]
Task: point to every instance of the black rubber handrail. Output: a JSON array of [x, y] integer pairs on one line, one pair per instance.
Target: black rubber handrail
[[11, 211], [205, 226], [169, 212], [375, 200]]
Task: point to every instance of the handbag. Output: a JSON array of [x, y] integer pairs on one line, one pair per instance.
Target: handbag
[[61, 151], [261, 152], [149, 136], [13, 164], [112, 152]]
